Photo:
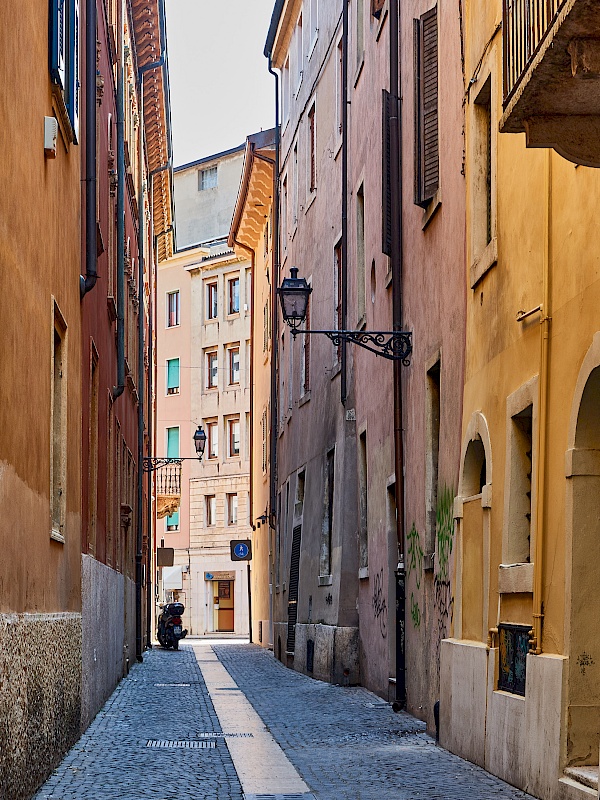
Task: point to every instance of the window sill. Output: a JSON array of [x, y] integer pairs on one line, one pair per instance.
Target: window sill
[[57, 536], [313, 197], [325, 580], [362, 322], [304, 399], [515, 578], [359, 70], [382, 19], [431, 210], [482, 264], [363, 573], [233, 315], [338, 146], [337, 368], [311, 49], [170, 327]]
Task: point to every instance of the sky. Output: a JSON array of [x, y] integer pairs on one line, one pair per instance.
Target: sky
[[221, 90]]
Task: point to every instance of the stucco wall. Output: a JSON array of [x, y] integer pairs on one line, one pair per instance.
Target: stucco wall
[[40, 697], [108, 630]]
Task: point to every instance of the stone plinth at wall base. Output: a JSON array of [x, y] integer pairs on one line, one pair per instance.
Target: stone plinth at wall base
[[108, 625], [336, 653], [40, 697], [516, 738]]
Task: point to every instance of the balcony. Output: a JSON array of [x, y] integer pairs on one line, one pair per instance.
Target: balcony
[[552, 76]]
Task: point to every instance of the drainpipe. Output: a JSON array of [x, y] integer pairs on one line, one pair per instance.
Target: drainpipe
[[140, 443], [120, 387], [535, 642], [397, 265], [344, 244], [274, 315], [149, 517], [87, 283]]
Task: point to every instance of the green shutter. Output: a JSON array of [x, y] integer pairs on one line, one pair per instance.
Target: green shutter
[[172, 442], [173, 373], [58, 43]]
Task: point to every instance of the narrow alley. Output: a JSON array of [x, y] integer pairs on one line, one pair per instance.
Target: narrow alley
[[227, 721]]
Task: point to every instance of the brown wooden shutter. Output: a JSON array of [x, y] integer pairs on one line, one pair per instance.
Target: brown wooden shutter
[[306, 386], [313, 168], [426, 108], [390, 107]]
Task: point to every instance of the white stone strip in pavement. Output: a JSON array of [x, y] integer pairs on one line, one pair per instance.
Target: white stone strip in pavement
[[262, 766]]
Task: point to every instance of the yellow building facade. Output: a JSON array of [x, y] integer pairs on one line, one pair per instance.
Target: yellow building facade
[[252, 232], [520, 675]]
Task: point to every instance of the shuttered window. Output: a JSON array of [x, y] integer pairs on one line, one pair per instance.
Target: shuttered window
[[64, 56], [426, 108], [173, 452], [390, 108], [311, 148], [173, 376]]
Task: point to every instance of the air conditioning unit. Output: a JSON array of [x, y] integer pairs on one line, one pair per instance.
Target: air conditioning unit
[[50, 136]]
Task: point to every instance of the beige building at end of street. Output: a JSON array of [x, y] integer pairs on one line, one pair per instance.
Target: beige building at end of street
[[203, 364]]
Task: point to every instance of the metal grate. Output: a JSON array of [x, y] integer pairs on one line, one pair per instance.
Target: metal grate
[[170, 744], [227, 735], [173, 685], [279, 797]]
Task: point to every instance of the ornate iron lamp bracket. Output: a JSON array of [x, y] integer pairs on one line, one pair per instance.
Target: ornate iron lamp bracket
[[152, 464], [394, 345]]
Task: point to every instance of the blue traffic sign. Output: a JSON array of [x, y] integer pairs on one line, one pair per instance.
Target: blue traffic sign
[[241, 550]]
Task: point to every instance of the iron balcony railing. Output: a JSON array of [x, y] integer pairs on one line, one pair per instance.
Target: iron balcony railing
[[526, 24]]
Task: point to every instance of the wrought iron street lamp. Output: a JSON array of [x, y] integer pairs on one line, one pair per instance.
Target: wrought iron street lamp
[[152, 464], [294, 293]]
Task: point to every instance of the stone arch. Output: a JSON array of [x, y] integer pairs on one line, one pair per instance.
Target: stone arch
[[582, 548], [473, 531]]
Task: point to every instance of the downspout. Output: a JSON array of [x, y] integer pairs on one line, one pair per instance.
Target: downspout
[[535, 643], [397, 269], [87, 283], [120, 387], [344, 243], [274, 315]]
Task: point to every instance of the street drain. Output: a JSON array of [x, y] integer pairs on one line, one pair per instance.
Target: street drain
[[279, 797], [170, 744], [177, 685], [227, 735]]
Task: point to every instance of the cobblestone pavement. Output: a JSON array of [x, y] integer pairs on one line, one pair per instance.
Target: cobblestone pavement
[[111, 761], [346, 743]]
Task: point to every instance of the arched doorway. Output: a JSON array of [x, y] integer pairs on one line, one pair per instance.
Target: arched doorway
[[583, 531]]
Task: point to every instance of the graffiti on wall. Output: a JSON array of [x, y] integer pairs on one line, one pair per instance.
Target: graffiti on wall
[[414, 565], [444, 542], [379, 605]]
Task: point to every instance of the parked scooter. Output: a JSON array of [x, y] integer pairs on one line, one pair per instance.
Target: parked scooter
[[169, 625]]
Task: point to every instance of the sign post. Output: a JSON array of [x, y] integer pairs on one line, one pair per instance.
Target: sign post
[[241, 550]]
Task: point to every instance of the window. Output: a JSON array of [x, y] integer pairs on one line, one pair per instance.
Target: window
[[233, 437], [519, 508], [285, 92], [295, 188], [363, 523], [337, 283], [211, 300], [233, 296], [390, 108], [173, 376], [483, 224], [211, 510], [232, 509], [233, 357], [299, 53], [266, 325], [64, 56], [327, 528], [207, 179], [284, 214], [360, 254], [312, 141], [514, 646], [300, 484], [377, 7], [172, 522], [212, 369], [339, 112], [426, 108], [58, 428], [172, 309], [212, 439], [305, 377], [432, 453], [93, 452], [265, 440], [360, 32], [313, 23]]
